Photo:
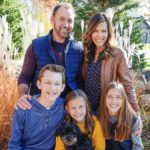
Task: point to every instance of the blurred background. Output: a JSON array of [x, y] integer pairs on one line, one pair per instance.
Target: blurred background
[[23, 20]]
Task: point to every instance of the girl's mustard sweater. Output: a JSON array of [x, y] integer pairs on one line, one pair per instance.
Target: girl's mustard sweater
[[97, 137]]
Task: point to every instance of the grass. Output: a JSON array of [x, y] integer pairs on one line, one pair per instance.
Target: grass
[[146, 47], [145, 111], [146, 132], [147, 65], [8, 96]]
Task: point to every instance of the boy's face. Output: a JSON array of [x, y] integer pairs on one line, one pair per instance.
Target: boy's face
[[50, 85]]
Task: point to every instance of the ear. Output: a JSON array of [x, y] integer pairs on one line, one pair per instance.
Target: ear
[[52, 20], [63, 87], [38, 84], [67, 108]]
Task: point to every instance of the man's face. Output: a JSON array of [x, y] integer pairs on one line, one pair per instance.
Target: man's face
[[63, 23]]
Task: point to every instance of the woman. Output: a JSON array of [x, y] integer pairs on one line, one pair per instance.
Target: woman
[[104, 62]]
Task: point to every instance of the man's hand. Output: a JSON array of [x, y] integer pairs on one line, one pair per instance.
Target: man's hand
[[23, 102]]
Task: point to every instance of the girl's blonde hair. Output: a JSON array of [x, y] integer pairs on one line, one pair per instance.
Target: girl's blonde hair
[[125, 115], [89, 122]]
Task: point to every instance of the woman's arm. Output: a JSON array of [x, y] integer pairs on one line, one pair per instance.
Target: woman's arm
[[125, 78]]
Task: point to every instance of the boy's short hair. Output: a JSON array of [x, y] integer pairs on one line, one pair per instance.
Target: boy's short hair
[[53, 68], [65, 5]]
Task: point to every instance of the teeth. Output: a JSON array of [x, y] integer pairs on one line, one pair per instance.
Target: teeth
[[78, 116], [50, 93], [114, 106], [99, 40]]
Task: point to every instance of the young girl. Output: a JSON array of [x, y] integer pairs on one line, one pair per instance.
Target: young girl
[[79, 112], [118, 120]]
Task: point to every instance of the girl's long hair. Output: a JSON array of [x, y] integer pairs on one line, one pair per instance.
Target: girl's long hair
[[89, 122], [125, 115], [88, 44]]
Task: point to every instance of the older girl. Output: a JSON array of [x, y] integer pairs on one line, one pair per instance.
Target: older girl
[[79, 112], [119, 120]]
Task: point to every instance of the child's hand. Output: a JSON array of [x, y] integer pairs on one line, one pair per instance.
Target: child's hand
[[23, 103], [138, 132]]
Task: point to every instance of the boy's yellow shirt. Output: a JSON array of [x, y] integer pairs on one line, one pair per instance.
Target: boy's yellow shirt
[[97, 138]]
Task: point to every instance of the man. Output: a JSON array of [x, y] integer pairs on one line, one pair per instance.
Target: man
[[55, 48]]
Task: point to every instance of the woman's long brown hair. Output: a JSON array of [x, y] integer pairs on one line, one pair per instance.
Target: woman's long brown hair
[[88, 44], [125, 115], [89, 121]]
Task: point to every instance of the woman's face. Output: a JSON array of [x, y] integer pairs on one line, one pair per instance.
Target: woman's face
[[100, 35]]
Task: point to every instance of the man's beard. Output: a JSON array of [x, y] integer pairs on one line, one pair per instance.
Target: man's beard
[[61, 33]]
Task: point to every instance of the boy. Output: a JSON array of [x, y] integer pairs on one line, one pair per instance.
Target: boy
[[35, 129]]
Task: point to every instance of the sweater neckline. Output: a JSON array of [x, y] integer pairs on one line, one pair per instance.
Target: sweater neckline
[[35, 101]]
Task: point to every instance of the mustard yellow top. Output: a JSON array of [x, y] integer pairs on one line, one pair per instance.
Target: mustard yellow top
[[97, 138]]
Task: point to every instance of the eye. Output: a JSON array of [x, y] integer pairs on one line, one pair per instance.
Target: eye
[[47, 82], [104, 31], [95, 31], [62, 19], [109, 96], [73, 108], [81, 107], [57, 84], [118, 97], [70, 21]]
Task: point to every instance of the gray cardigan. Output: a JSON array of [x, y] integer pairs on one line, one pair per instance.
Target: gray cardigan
[[136, 140]]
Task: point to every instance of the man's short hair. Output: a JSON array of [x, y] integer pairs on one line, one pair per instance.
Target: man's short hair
[[65, 5]]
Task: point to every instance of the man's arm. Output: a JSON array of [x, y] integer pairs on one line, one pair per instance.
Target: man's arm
[[27, 72], [25, 78], [23, 89]]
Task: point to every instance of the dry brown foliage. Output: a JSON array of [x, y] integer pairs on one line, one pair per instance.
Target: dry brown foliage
[[8, 96], [143, 96], [146, 130]]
